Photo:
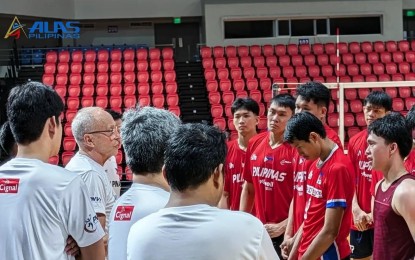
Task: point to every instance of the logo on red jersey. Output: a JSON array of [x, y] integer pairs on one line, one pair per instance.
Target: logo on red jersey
[[284, 162], [9, 185], [123, 213], [253, 157], [231, 166]]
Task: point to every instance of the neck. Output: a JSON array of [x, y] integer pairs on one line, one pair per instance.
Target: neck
[[191, 197], [394, 171], [152, 179], [94, 156], [275, 139], [32, 151], [243, 140], [327, 147]]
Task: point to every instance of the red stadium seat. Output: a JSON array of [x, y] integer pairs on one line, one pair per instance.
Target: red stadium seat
[[220, 123], [175, 110], [333, 120], [171, 87], [88, 90], [373, 57], [90, 56], [353, 69], [404, 92], [410, 56], [64, 56], [238, 84], [158, 100], [252, 84], [102, 67], [210, 74], [156, 76], [288, 72], [129, 77], [363, 93], [115, 101], [398, 104], [142, 54], [314, 71], [115, 66], [323, 59], [233, 62], [348, 119], [144, 100], [297, 60], [403, 46], [259, 61], [404, 68], [87, 101], [263, 123], [262, 72], [168, 64], [343, 48], [103, 55], [129, 55], [351, 131], [66, 157], [228, 97], [222, 73], [130, 101], [249, 73], [327, 70], [379, 46], [61, 79], [172, 100], [167, 53], [218, 51], [69, 115], [267, 95], [63, 68], [157, 88], [409, 102], [378, 68], [72, 103], [366, 47], [154, 54], [284, 60], [129, 88], [102, 78], [231, 125], [271, 61], [51, 57], [205, 52], [143, 89], [115, 89], [385, 57], [330, 48], [366, 69], [391, 46], [268, 50], [49, 68], [398, 57], [243, 50], [301, 71], [116, 55], [225, 85], [255, 95], [280, 49], [214, 97], [207, 63], [101, 89], [350, 94], [318, 48], [274, 72], [89, 67], [54, 160], [246, 62], [360, 119], [211, 85], [292, 49], [169, 75], [216, 110], [360, 58], [77, 56], [354, 47], [391, 68], [220, 63], [129, 66], [115, 78], [236, 73], [384, 77], [255, 50], [341, 71], [230, 51], [265, 83], [356, 105], [309, 60], [305, 49]]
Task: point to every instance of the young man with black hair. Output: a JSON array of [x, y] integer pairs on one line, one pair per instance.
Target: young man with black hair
[[43, 205], [376, 105], [144, 134], [269, 172], [389, 142], [7, 143], [327, 218], [245, 118], [191, 226]]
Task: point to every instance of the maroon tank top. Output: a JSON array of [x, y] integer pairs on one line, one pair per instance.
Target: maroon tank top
[[392, 238]]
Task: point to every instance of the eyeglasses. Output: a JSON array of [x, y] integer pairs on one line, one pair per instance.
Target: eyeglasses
[[112, 132]]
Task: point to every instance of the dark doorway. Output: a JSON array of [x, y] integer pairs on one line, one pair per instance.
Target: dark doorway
[[184, 37]]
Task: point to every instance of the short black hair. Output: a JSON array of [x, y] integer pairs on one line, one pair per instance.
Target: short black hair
[[380, 99], [301, 125], [393, 129], [193, 152], [410, 118], [28, 108], [314, 91], [7, 142], [284, 100], [245, 103], [115, 115]]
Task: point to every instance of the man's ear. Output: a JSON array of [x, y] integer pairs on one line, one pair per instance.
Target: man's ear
[[323, 113], [52, 126], [313, 137], [163, 171], [218, 176], [88, 140]]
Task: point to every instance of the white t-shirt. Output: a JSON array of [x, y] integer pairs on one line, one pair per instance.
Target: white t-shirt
[[139, 201], [110, 167], [40, 206], [199, 232], [101, 193]]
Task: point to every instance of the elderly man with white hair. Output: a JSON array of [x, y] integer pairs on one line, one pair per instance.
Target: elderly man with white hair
[[98, 139]]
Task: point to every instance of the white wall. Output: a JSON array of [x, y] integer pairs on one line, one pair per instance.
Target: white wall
[[215, 13], [63, 9], [105, 9], [408, 4]]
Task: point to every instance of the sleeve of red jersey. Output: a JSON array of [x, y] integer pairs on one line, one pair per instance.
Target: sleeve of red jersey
[[337, 186]]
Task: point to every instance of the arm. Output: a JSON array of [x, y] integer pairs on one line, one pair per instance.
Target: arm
[[223, 203], [93, 252], [247, 197], [402, 203], [361, 219], [276, 229], [289, 228], [327, 235], [293, 251]]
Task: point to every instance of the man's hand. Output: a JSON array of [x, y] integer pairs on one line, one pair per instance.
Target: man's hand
[[361, 219], [275, 230], [286, 247], [72, 247]]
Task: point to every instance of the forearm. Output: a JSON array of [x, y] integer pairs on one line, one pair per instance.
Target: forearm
[[247, 198], [296, 244], [355, 204], [289, 228], [319, 245]]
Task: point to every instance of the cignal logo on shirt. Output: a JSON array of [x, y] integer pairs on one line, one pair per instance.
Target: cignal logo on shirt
[[91, 223], [9, 185], [123, 213]]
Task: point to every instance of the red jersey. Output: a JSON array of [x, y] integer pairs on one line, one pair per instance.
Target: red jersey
[[410, 162], [328, 186], [301, 167], [365, 177], [392, 237], [234, 180], [272, 175]]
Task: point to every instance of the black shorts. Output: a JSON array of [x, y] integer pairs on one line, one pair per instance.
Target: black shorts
[[361, 243], [277, 241]]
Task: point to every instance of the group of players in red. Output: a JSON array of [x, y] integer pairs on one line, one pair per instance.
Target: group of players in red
[[314, 200]]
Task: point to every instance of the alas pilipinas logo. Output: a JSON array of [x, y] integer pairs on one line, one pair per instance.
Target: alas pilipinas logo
[[42, 30], [9, 185], [91, 223], [123, 213]]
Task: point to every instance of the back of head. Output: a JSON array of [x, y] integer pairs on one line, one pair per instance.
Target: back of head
[[301, 125], [410, 118], [145, 132], [284, 100], [379, 99], [393, 129], [192, 154], [28, 108], [247, 103], [7, 142], [316, 92]]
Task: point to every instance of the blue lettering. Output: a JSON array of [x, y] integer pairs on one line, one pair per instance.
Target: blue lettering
[[71, 25], [37, 27], [59, 26]]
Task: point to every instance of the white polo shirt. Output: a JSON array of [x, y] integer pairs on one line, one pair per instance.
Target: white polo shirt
[[110, 167], [139, 201], [93, 174], [199, 232], [40, 206]]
